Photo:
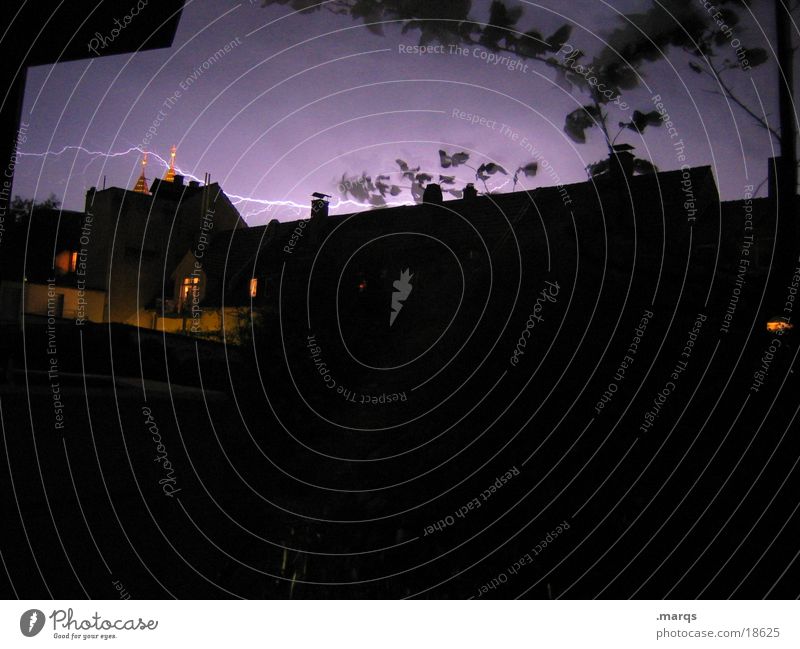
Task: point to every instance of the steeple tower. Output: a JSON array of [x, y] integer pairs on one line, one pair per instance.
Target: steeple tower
[[141, 184], [170, 175]]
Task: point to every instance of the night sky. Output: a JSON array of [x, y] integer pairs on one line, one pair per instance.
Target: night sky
[[588, 392], [301, 99]]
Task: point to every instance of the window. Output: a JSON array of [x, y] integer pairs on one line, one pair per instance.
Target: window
[[253, 286], [190, 290], [66, 262]]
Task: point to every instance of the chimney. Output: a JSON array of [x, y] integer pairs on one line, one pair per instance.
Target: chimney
[[620, 161], [470, 193], [319, 206], [319, 216], [433, 194]]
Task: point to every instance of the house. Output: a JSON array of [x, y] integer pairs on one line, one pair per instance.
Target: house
[[114, 262], [354, 259], [176, 256], [41, 258]]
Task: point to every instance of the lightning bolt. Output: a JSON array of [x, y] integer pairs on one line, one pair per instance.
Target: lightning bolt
[[32, 621], [499, 187], [250, 206], [402, 289]]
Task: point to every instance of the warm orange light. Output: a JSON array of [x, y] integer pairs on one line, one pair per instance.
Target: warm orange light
[[362, 286], [777, 324], [73, 262], [190, 287], [253, 287], [63, 262]]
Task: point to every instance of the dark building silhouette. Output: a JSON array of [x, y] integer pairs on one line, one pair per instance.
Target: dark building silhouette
[[116, 261]]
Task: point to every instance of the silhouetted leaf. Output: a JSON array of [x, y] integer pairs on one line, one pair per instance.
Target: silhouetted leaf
[[355, 187], [489, 169], [559, 37], [501, 19], [641, 166], [531, 44], [407, 171], [371, 13], [447, 161], [598, 168], [578, 121], [641, 120], [619, 75], [381, 186]]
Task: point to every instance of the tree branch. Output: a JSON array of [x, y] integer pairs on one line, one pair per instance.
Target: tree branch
[[717, 76]]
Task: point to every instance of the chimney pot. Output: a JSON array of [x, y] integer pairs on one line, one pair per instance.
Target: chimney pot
[[470, 192], [319, 206], [433, 194], [622, 163]]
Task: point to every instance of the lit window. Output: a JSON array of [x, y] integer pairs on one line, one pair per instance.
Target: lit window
[[66, 261], [253, 287], [189, 289], [779, 325]]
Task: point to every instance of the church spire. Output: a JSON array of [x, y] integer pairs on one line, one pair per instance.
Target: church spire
[[141, 184], [170, 175]]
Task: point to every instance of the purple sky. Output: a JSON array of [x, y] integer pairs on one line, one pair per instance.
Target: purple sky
[[276, 118]]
